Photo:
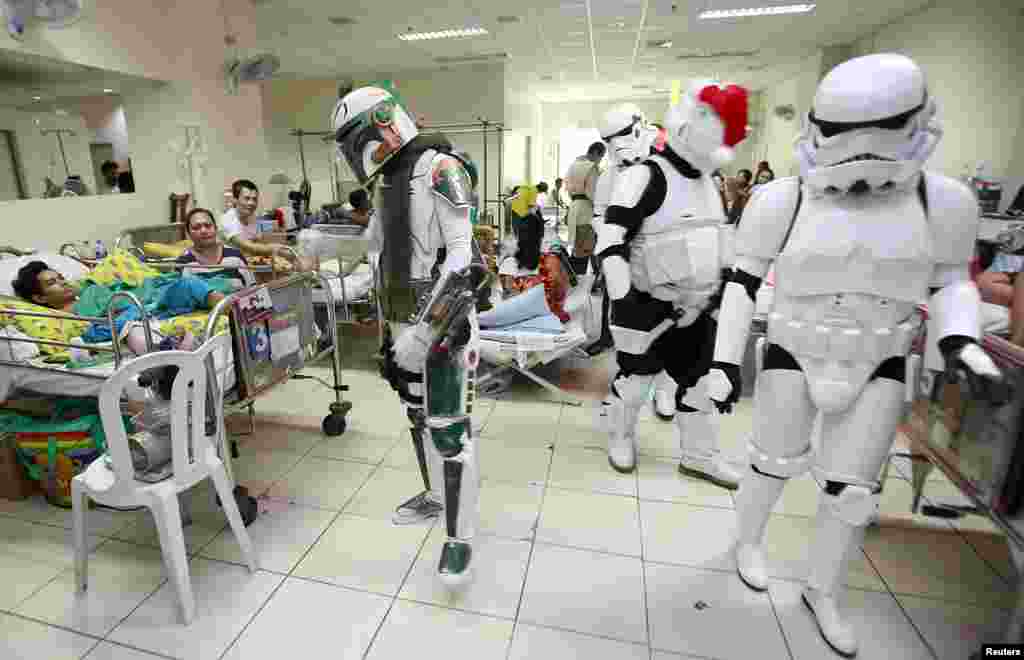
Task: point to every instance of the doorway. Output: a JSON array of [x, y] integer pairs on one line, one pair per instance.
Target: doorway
[[101, 152], [11, 185], [573, 143]]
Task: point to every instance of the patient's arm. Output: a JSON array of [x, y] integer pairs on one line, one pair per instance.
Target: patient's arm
[[996, 288]]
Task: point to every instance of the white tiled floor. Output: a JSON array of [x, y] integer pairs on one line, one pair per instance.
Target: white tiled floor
[[573, 560]]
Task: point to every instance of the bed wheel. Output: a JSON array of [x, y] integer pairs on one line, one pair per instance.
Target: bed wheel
[[334, 425]]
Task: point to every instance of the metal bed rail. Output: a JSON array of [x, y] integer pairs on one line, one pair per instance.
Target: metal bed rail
[[334, 423], [109, 320], [354, 232], [167, 232], [975, 457]]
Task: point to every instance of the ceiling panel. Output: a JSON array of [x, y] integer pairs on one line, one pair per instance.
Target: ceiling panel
[[555, 38]]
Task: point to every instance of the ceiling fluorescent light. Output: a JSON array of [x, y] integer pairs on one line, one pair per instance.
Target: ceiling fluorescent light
[[443, 34], [756, 11]]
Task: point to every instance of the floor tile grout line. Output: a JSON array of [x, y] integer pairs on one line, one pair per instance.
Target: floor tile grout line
[[685, 656], [643, 575], [339, 513], [198, 555], [91, 649], [778, 622], [47, 624], [394, 599], [533, 539], [547, 626], [460, 610], [967, 539], [894, 596], [299, 561], [133, 648]]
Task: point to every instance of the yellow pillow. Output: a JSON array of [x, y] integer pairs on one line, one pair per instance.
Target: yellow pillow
[[166, 250], [47, 329], [194, 323], [122, 266]]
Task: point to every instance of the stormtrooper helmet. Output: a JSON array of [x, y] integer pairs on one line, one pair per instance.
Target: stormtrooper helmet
[[370, 127], [709, 120], [871, 128], [627, 134]]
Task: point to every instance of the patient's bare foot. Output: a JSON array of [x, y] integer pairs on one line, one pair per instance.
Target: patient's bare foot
[[187, 343], [214, 298]]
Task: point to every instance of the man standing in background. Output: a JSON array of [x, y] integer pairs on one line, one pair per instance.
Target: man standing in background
[[580, 182], [556, 197]]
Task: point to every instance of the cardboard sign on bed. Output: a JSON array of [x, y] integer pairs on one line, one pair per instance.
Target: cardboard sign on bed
[[273, 331]]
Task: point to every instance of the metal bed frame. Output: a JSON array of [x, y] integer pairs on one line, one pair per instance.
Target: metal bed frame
[[334, 423], [984, 496], [368, 299]]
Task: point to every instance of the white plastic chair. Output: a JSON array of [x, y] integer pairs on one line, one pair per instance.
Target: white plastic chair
[[194, 458]]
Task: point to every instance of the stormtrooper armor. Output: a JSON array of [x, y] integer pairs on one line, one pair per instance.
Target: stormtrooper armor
[[858, 241], [663, 246], [425, 204], [629, 139]]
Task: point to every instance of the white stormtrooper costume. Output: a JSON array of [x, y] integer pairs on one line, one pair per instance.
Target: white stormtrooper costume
[[858, 241], [422, 228], [663, 246], [629, 139]]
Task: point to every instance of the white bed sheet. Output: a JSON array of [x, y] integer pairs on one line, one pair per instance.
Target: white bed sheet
[[357, 284], [56, 381], [529, 349]]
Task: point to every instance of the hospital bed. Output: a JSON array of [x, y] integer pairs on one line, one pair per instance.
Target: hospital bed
[[339, 249], [504, 351], [340, 284], [342, 250], [979, 447], [269, 346]]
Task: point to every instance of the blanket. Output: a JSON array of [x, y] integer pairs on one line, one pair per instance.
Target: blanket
[[171, 299]]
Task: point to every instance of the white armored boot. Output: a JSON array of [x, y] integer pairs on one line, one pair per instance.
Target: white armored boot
[[754, 503], [622, 413], [665, 397], [698, 442], [700, 456], [840, 532]]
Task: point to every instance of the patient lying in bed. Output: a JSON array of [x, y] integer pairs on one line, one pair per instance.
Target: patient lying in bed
[[37, 283]]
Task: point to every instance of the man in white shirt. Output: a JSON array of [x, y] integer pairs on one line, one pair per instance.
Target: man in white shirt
[[238, 225]]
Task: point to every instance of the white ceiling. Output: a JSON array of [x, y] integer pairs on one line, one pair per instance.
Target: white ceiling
[[56, 82], [590, 49]]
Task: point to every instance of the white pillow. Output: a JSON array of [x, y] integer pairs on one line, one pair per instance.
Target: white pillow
[[66, 266]]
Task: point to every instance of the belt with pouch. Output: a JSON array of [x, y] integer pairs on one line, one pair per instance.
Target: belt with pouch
[[402, 304]]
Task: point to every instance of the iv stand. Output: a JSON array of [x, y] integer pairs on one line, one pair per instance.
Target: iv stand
[[304, 188], [60, 142]]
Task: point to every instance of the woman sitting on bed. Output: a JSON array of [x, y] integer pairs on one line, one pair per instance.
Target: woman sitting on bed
[[208, 250], [536, 262], [39, 284]]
